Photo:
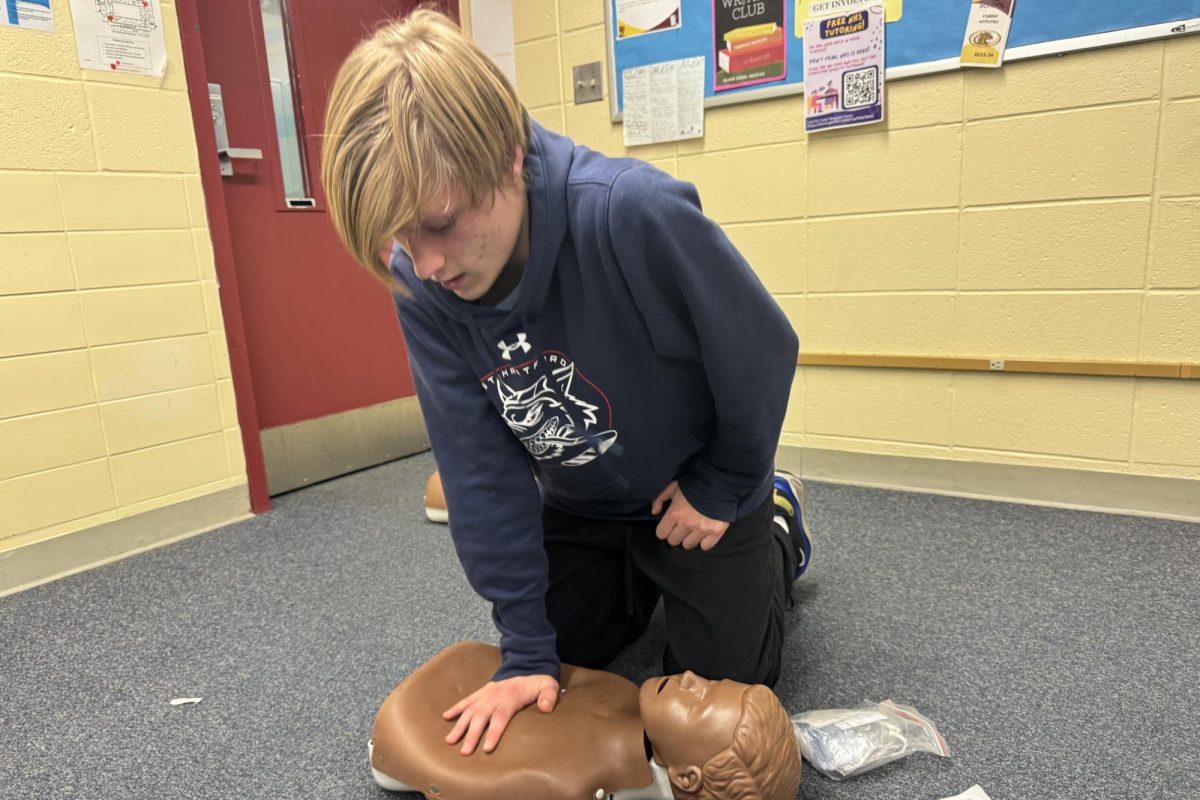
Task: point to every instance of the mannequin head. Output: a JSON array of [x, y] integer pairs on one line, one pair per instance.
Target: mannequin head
[[720, 740]]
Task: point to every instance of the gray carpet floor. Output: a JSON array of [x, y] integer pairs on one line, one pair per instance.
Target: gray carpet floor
[[1057, 651]]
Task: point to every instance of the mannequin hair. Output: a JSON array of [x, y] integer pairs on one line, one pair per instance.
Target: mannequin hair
[[762, 762]]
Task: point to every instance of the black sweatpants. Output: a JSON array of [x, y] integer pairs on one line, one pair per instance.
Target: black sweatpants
[[724, 607]]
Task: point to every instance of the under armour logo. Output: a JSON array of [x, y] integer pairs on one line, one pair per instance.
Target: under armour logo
[[507, 349]]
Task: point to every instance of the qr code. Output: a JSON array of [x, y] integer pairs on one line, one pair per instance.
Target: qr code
[[860, 88]]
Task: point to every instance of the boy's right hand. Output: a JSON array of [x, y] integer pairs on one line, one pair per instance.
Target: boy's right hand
[[491, 707]]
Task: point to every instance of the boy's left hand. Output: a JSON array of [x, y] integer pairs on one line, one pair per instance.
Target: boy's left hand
[[683, 525]]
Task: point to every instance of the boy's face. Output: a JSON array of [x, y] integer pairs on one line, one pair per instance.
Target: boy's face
[[463, 248]]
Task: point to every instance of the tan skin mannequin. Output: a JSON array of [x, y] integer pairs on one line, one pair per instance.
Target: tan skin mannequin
[[711, 740]]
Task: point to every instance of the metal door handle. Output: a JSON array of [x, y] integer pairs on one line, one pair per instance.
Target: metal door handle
[[225, 153], [240, 152]]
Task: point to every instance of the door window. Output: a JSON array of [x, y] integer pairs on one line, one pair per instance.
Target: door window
[[288, 127]]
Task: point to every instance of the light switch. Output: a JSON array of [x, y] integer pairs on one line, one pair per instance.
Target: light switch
[[589, 83]]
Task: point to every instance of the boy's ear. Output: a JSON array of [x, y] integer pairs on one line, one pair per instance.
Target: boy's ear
[[518, 164]]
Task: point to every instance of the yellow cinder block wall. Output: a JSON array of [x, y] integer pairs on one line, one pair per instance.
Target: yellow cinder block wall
[[115, 391], [1046, 210]]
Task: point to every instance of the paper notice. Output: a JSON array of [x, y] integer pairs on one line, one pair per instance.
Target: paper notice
[[987, 33], [974, 793], [120, 35], [635, 17], [32, 15], [664, 102], [844, 69]]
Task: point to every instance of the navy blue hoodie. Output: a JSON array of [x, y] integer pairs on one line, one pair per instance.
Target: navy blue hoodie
[[640, 348]]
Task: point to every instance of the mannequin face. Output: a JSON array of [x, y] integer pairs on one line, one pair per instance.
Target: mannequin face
[[690, 719]]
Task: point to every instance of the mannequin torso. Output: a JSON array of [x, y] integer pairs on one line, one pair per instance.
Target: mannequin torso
[[708, 739]]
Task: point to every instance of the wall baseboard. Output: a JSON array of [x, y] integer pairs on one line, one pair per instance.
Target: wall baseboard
[[319, 449], [39, 562], [296, 455], [1108, 492]]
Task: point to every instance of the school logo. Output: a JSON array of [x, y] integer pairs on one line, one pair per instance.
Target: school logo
[[506, 350], [560, 416]]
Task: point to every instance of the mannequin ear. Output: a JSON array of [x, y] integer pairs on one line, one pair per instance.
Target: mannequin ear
[[687, 780]]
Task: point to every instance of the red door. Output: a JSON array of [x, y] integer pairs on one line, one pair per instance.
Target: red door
[[316, 350]]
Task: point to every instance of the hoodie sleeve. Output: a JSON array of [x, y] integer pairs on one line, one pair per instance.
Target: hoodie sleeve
[[701, 301], [488, 482]]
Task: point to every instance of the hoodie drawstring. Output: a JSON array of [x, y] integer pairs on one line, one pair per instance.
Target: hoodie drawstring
[[477, 337]]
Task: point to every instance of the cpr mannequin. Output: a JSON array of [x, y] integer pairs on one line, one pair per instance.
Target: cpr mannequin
[[435, 499], [711, 740]]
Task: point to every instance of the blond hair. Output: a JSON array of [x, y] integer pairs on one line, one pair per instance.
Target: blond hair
[[414, 109]]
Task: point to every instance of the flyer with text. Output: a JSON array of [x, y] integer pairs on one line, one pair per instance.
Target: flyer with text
[[844, 69], [749, 42]]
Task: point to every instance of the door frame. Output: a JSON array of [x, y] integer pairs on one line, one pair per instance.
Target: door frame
[[218, 226]]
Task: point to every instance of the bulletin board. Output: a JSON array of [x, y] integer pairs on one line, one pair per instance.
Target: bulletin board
[[923, 36]]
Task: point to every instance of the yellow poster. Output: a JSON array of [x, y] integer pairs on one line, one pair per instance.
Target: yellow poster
[[892, 10]]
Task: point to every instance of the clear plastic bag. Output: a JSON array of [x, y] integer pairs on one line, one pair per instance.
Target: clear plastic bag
[[841, 742]]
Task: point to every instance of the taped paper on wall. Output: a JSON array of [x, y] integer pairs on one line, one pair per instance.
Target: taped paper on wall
[[32, 15], [120, 36]]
